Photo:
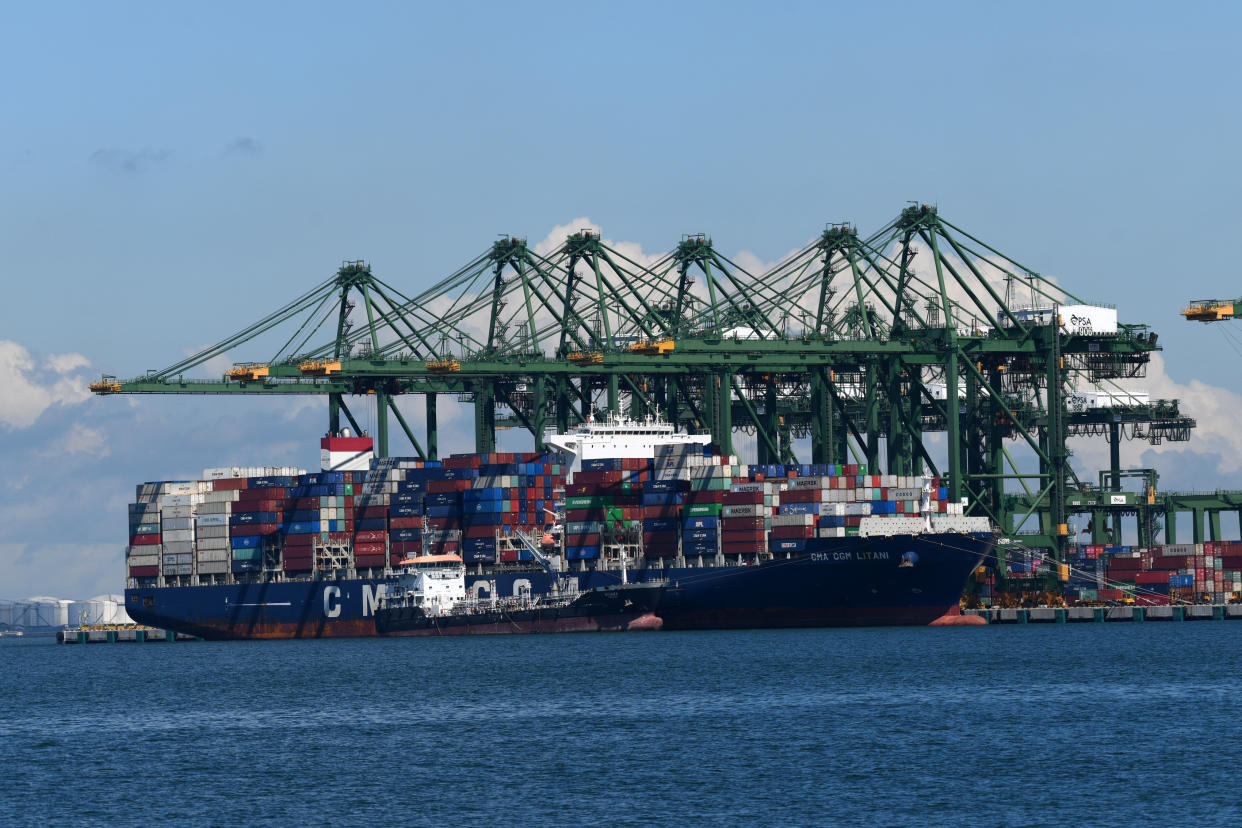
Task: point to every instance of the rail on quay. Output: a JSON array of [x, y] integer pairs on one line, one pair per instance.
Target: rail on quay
[[1078, 615], [128, 635]]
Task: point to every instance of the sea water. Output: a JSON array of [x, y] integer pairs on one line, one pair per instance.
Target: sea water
[[1094, 724]]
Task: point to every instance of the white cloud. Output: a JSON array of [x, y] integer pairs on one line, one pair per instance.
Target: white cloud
[[84, 440], [1215, 409], [31, 387]]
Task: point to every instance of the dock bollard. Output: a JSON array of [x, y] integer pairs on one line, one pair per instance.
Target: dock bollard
[[1062, 615], [1138, 614], [140, 636]]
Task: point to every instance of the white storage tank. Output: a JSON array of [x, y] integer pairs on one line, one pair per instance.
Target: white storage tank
[[41, 611]]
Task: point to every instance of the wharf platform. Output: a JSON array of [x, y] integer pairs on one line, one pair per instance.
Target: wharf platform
[[125, 635], [1133, 614]]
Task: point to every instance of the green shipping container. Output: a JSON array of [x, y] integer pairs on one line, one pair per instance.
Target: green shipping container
[[349, 489], [587, 502], [703, 509], [247, 554]]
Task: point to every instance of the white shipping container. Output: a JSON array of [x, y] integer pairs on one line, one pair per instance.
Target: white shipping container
[[905, 494], [217, 542], [223, 496], [172, 512], [180, 499], [889, 525], [854, 509], [179, 569], [832, 532], [745, 510], [793, 520], [179, 535], [213, 567], [834, 509], [143, 560], [212, 520], [213, 555], [177, 547], [217, 508], [174, 523]]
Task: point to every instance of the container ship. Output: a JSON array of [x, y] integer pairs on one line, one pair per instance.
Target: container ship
[[283, 553]]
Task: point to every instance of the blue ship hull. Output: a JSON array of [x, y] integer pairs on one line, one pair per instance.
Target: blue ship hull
[[907, 580]]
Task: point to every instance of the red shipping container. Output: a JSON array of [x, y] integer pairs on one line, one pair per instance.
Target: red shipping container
[[1170, 562], [1151, 577], [661, 511], [738, 523], [508, 556], [264, 493], [370, 512], [297, 566], [258, 506], [144, 540], [361, 549], [800, 496], [251, 529], [406, 548], [299, 542], [793, 531], [743, 498], [228, 484], [751, 548], [405, 523], [714, 496], [446, 486], [444, 522], [144, 571], [369, 536], [370, 561], [1230, 563]]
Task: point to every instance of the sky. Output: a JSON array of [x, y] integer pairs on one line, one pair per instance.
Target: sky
[[171, 172]]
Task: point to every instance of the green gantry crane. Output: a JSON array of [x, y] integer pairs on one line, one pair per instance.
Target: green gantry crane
[[868, 346]]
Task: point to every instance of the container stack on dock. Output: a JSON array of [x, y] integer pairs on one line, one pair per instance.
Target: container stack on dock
[[1155, 575]]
